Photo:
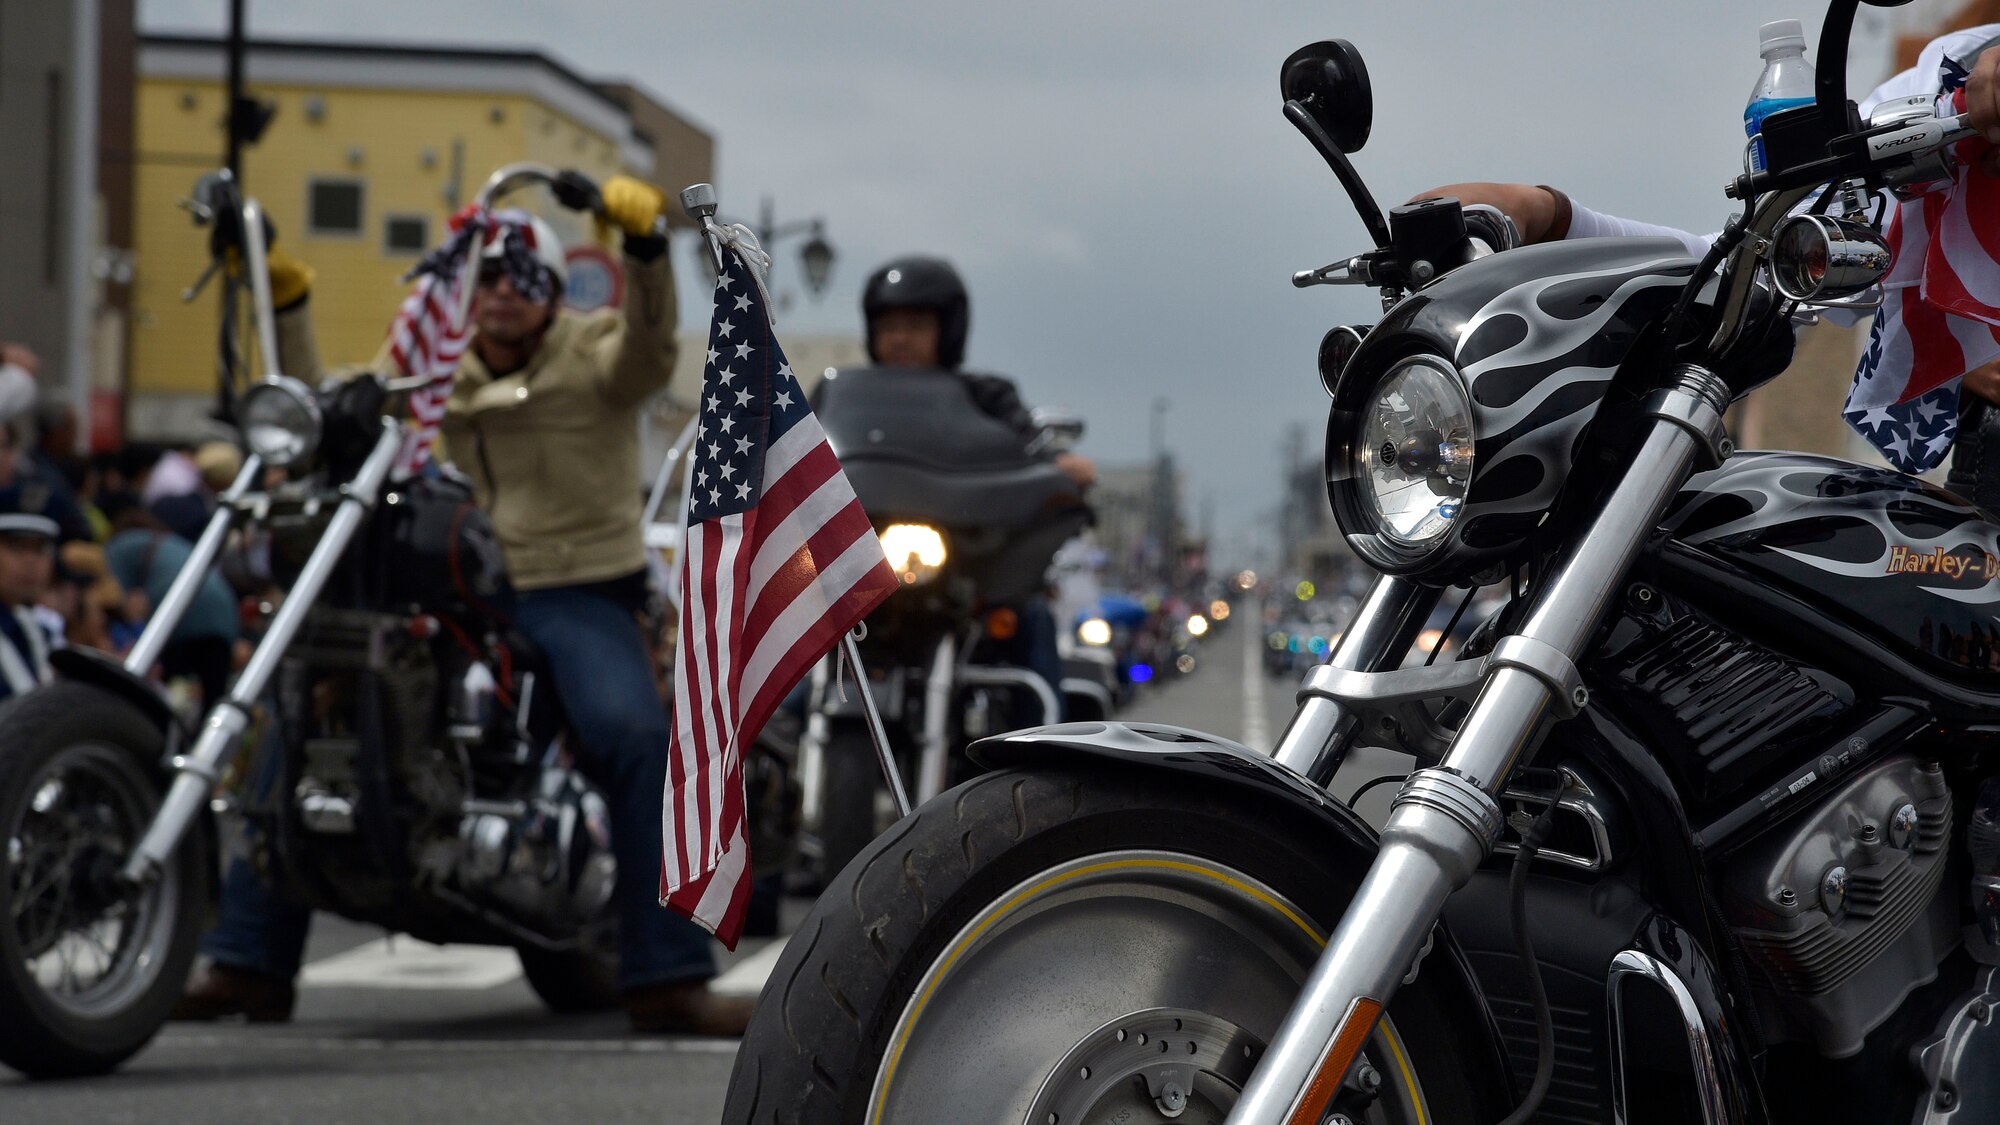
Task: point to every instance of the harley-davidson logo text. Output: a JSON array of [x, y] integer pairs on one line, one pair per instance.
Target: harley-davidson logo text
[[1937, 560]]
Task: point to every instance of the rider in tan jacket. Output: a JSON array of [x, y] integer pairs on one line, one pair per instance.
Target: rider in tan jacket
[[552, 445]]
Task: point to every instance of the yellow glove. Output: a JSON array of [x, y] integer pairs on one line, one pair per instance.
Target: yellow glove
[[633, 204], [291, 279]]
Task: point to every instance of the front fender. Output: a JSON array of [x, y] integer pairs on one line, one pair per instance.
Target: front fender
[[1218, 761]]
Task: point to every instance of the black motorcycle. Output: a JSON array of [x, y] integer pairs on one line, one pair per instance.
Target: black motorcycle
[[1706, 825], [407, 760], [970, 517]]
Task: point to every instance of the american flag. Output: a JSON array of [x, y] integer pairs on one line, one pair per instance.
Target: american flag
[[431, 329], [1941, 313], [779, 561]]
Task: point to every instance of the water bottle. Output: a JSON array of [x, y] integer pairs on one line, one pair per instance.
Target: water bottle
[[1787, 81]]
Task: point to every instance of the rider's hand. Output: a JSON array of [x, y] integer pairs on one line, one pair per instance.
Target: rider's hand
[[1984, 381], [1982, 106], [633, 204], [1083, 470], [291, 279], [1535, 210]]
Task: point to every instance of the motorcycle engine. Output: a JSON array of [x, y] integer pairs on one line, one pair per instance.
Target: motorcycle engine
[[1840, 913], [545, 862]]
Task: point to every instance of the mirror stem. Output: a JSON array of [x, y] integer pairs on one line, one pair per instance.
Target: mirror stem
[[1364, 203]]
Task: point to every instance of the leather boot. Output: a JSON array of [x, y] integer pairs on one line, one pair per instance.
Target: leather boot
[[219, 991], [686, 1008]]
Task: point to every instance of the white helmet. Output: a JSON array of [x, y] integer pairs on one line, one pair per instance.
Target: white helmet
[[540, 235]]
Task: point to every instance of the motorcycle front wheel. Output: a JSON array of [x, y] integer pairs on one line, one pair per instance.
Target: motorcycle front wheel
[[1075, 946], [89, 967]]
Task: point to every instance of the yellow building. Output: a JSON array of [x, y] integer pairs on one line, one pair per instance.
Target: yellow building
[[371, 150]]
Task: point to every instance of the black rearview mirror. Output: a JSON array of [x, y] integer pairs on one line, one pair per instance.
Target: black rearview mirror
[[1329, 79]]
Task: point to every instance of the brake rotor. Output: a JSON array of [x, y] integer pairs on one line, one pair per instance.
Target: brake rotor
[[1172, 1063]]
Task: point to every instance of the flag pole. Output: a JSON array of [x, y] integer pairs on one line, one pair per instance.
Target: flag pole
[[876, 731], [700, 203]]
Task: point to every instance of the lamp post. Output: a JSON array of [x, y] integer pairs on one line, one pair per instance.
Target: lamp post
[[816, 256]]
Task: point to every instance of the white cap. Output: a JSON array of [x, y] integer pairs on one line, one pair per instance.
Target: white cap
[[1779, 35]]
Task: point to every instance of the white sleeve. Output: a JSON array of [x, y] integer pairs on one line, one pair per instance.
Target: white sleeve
[[17, 391], [1585, 223]]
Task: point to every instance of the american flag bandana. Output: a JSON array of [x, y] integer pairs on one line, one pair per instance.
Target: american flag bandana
[[779, 562], [1941, 313], [429, 335]]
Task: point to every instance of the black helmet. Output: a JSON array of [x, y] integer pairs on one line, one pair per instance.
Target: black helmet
[[917, 282]]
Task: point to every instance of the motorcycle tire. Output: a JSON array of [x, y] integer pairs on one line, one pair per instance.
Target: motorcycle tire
[[584, 979], [848, 818], [88, 973], [1004, 954]]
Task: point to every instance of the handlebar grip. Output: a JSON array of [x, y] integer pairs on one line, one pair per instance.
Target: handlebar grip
[[577, 191]]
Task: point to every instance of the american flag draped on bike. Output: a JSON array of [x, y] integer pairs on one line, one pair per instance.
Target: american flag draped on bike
[[1941, 314], [779, 561]]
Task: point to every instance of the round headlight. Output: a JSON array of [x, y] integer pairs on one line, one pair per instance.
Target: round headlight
[[280, 422], [1094, 631], [1413, 452], [915, 550]]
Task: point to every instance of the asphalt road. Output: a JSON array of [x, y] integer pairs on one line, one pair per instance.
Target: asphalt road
[[393, 1029]]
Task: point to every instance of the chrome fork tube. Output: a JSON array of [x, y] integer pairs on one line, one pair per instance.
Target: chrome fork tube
[[195, 772], [166, 616], [1445, 820], [1316, 739]]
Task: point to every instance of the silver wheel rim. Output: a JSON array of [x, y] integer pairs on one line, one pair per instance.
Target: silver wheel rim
[[1038, 985], [85, 809]]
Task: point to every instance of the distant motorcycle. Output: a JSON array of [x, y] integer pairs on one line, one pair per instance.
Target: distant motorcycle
[[970, 519], [422, 782]]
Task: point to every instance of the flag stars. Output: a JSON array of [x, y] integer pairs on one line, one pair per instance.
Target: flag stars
[[784, 399], [742, 398], [714, 451], [742, 351], [712, 353], [714, 402], [728, 471], [743, 490], [723, 374], [724, 328], [742, 301], [728, 425], [743, 445]]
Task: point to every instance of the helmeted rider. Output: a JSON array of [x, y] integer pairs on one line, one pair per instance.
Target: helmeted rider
[[544, 418], [918, 315]]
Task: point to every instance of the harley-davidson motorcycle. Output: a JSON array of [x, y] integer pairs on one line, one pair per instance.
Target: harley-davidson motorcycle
[[421, 778], [971, 519], [1705, 825]]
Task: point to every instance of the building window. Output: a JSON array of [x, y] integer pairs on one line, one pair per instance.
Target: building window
[[333, 207], [405, 234]]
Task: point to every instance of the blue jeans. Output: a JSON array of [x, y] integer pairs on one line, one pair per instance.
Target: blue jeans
[[598, 656]]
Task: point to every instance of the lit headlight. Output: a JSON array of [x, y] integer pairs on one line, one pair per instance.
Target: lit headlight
[[1412, 453], [915, 550], [1094, 631], [280, 421]]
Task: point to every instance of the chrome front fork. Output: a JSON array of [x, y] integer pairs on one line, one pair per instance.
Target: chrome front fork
[[196, 771], [1445, 820]]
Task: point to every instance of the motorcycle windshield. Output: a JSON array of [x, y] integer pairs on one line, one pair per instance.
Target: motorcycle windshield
[[915, 445], [913, 414]]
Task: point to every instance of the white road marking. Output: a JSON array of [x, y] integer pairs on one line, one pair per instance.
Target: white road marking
[[747, 977], [1256, 733], [651, 1045], [411, 964]]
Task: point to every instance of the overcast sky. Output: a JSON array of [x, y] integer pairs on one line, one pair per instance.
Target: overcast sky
[[1116, 181]]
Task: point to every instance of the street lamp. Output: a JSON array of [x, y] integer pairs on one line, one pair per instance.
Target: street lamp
[[817, 255]]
